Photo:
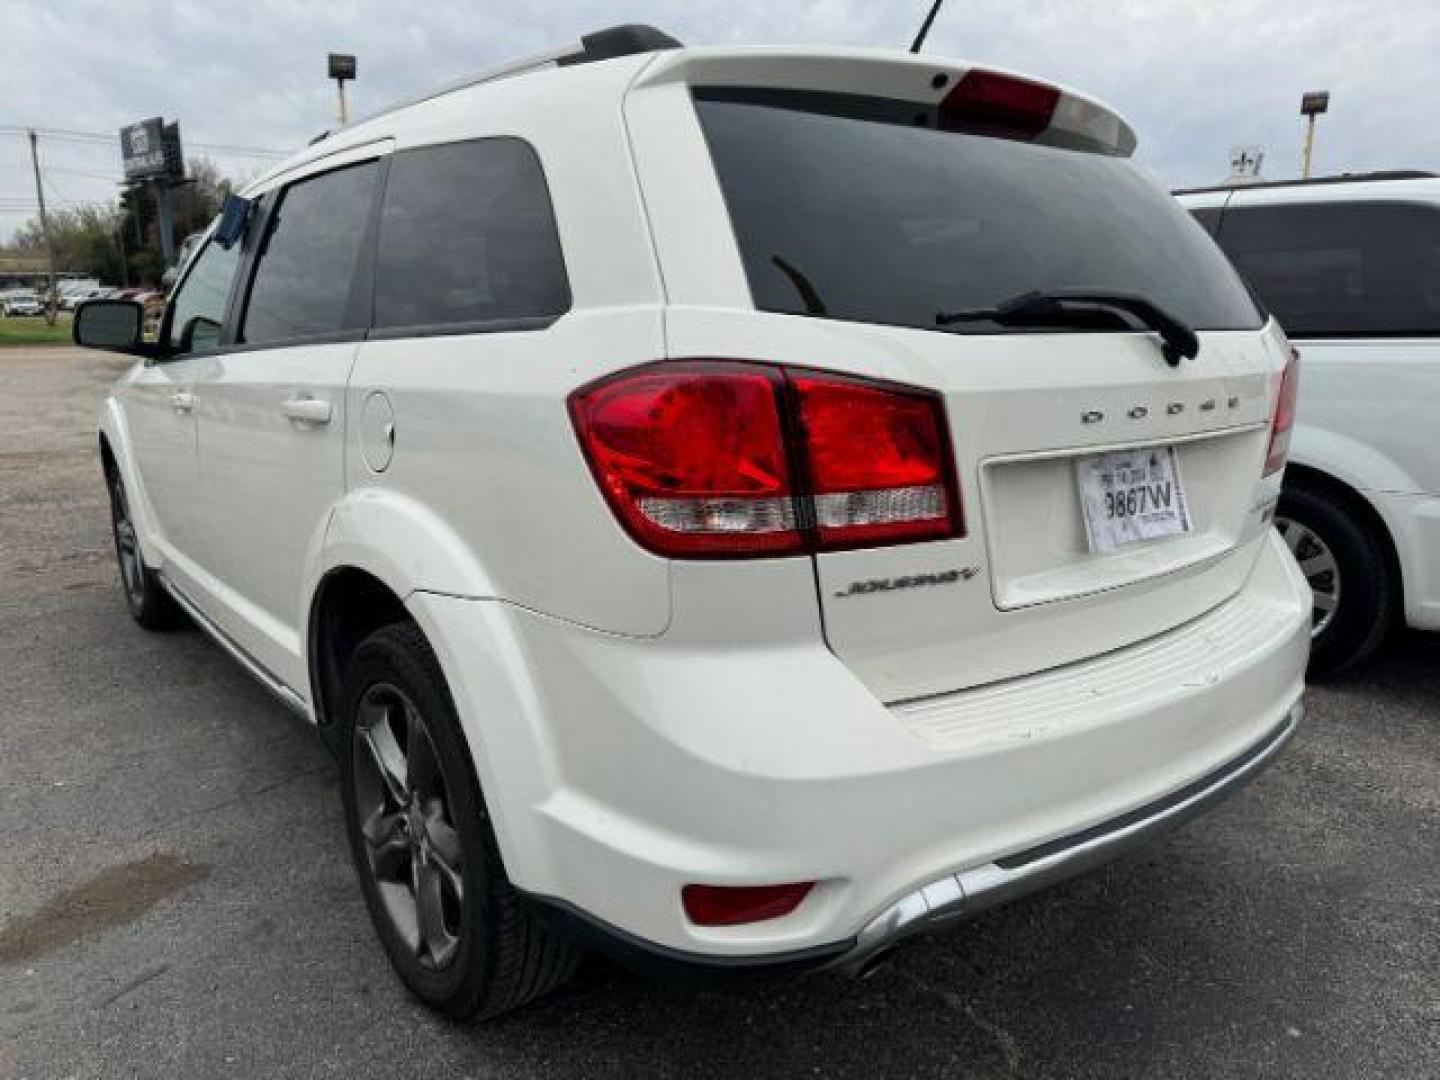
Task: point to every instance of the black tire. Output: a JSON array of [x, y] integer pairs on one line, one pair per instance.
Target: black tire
[[150, 605], [495, 954], [1366, 592]]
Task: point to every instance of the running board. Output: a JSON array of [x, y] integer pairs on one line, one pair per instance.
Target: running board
[[288, 697]]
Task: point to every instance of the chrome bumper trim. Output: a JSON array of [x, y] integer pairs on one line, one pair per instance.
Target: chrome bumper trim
[[968, 892]]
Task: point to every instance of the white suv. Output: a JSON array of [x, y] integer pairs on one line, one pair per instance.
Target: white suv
[[1350, 265], [735, 508]]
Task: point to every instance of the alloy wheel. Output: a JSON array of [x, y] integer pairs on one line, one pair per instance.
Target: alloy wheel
[[1317, 563], [412, 847], [127, 548]]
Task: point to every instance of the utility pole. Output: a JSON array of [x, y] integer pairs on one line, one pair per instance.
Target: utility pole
[[44, 230], [1311, 106]]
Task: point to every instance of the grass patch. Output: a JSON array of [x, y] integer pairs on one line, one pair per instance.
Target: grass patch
[[33, 331]]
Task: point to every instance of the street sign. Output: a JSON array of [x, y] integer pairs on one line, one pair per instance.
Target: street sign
[[142, 149], [342, 66], [1313, 104]]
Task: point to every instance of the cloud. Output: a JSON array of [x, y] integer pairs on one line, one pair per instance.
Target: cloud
[[1194, 78]]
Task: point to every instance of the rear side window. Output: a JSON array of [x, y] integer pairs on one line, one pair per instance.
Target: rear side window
[[467, 235], [302, 281], [1338, 269], [890, 222]]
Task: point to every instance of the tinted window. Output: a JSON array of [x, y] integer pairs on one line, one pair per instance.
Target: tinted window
[[467, 234], [892, 223], [1208, 217], [1342, 268], [302, 282], [198, 310]]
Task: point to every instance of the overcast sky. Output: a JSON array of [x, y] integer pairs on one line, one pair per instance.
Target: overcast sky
[[1194, 77]]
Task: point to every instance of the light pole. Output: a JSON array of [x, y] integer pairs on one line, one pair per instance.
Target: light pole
[[342, 69], [1311, 106]]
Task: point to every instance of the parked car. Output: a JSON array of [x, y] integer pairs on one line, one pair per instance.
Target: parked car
[[71, 300], [731, 508], [18, 304], [1350, 266]]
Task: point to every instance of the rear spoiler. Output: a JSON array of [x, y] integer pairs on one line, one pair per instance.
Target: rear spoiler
[[987, 97]]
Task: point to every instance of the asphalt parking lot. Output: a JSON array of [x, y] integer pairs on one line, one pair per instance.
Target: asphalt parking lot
[[176, 898]]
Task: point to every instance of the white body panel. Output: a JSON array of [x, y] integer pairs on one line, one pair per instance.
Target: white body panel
[[639, 723], [272, 426]]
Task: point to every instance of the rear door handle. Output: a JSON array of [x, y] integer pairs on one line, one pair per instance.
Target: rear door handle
[[182, 401], [307, 410]]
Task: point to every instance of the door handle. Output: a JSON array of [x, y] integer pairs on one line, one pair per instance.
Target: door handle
[[182, 401], [307, 410]]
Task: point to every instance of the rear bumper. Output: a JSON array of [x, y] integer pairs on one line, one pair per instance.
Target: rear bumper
[[627, 768], [971, 891], [944, 901]]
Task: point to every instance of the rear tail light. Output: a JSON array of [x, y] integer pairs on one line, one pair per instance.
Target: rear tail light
[[1004, 104], [728, 459], [731, 905], [1284, 420]]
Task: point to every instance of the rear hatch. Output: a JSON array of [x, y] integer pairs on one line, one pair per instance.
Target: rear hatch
[[858, 219]]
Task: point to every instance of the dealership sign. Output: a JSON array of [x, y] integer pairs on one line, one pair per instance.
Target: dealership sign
[[151, 148]]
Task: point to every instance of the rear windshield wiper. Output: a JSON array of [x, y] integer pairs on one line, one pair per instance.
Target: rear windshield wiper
[[809, 295], [1054, 306]]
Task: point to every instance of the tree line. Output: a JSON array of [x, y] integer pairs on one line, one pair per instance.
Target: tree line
[[119, 242]]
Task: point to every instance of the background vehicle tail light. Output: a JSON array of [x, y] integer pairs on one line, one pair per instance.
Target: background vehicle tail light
[[1284, 420], [725, 459], [1006, 104], [732, 905]]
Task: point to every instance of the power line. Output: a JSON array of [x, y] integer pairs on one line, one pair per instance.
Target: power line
[[100, 137]]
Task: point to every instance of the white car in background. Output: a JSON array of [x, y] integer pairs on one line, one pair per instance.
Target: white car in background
[[18, 304], [1350, 266], [732, 507]]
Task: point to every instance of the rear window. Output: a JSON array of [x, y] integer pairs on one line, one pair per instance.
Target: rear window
[[889, 222], [1341, 269], [467, 235]]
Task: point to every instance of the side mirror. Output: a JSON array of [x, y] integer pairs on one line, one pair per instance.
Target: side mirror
[[117, 325]]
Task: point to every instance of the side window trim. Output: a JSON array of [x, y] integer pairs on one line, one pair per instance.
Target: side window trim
[[356, 317], [252, 244], [360, 305]]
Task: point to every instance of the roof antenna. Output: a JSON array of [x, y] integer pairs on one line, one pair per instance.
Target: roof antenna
[[925, 26]]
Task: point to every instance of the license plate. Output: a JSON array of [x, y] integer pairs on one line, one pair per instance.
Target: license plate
[[1132, 495]]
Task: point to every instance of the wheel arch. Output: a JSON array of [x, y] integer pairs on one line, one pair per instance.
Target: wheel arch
[[1356, 504], [347, 605]]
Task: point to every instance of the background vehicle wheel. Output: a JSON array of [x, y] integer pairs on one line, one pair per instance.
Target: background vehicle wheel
[[150, 605], [454, 927], [1344, 561]]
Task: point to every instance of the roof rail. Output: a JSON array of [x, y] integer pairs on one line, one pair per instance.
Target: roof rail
[[604, 44], [1342, 178]]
